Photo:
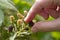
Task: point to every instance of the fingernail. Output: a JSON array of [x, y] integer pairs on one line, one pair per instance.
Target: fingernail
[[26, 19]]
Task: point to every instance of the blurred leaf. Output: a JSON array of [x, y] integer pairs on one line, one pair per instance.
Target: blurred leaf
[[16, 1], [11, 2], [13, 37], [47, 37], [56, 35], [22, 5], [1, 17], [50, 18], [5, 4], [29, 1], [39, 35], [39, 18]]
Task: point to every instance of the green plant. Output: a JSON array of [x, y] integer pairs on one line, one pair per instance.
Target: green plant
[[12, 25], [18, 27]]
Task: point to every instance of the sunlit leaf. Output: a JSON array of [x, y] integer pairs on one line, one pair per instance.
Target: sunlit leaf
[[56, 35], [50, 18], [16, 1]]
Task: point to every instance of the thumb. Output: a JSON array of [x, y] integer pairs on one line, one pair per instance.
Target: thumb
[[47, 26]]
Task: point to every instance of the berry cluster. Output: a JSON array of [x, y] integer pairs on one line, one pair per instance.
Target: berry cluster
[[19, 26]]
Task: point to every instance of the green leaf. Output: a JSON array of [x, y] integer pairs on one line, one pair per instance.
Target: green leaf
[[16, 1], [5, 4], [56, 35], [1, 17], [22, 5], [50, 18]]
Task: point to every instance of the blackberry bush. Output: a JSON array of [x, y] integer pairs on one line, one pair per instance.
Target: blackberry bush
[[12, 25]]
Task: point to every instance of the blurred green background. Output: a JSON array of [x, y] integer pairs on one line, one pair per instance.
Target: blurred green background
[[9, 6]]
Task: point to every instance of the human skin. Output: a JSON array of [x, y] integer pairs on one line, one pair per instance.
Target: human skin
[[45, 8]]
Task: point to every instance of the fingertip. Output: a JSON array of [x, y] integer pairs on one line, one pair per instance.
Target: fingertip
[[30, 16], [25, 20]]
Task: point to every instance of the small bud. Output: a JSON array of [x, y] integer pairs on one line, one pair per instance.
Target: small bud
[[10, 28], [11, 18], [25, 12], [19, 21], [20, 15], [34, 21], [31, 23]]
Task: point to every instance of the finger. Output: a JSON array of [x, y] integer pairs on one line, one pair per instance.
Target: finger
[[35, 8], [45, 11], [32, 12], [44, 14], [54, 13], [47, 26]]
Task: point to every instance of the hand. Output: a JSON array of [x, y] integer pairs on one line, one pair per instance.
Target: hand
[[45, 8]]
